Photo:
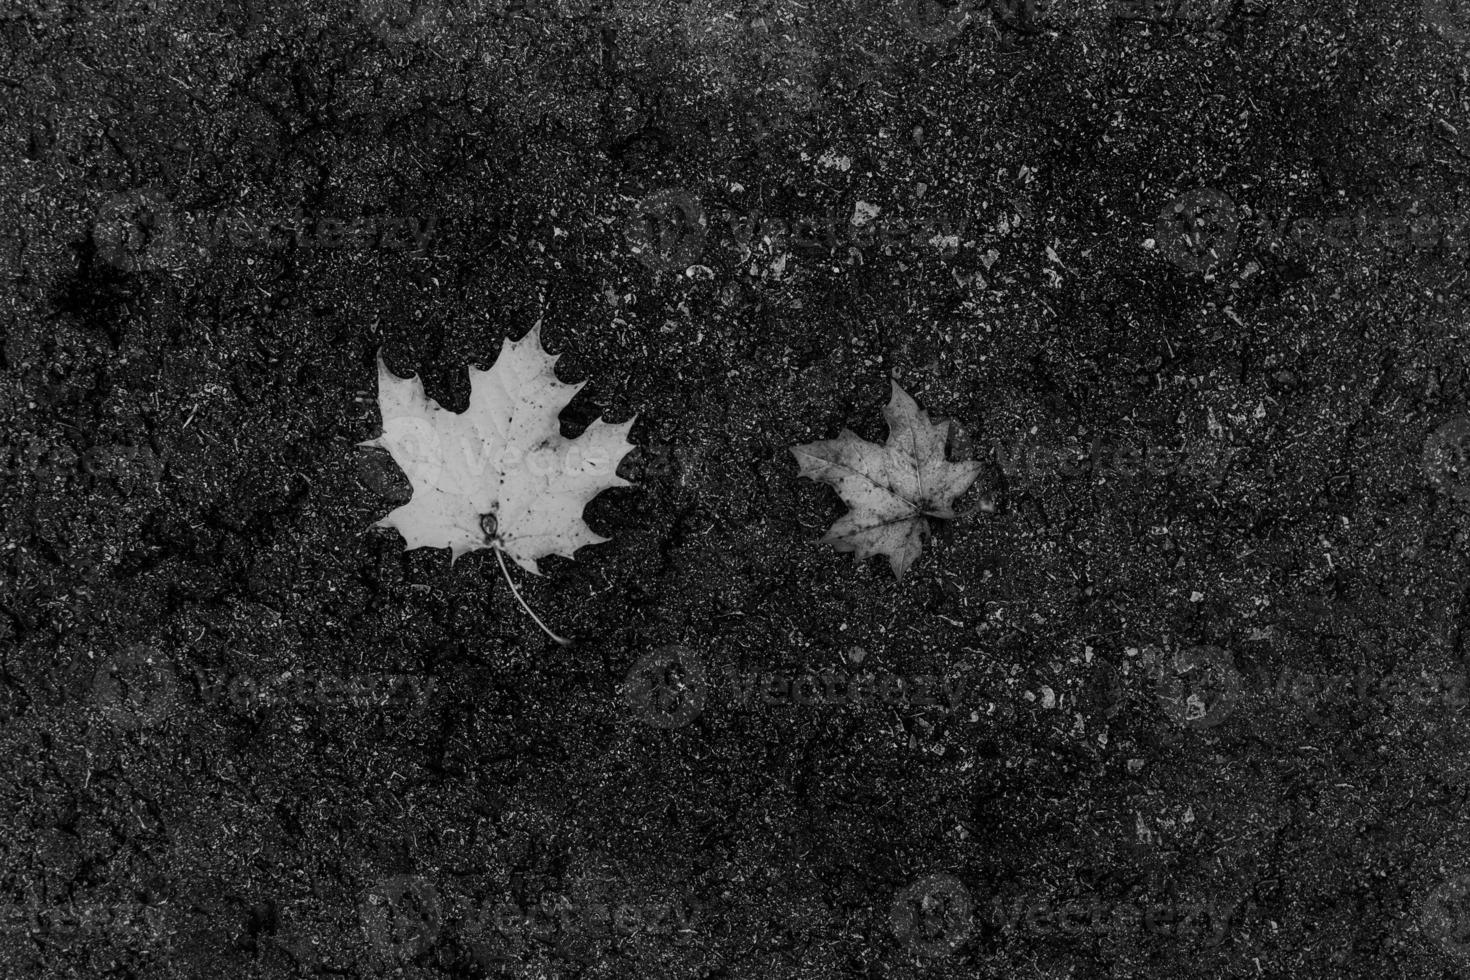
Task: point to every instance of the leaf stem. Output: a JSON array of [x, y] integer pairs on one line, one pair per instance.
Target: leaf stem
[[499, 556]]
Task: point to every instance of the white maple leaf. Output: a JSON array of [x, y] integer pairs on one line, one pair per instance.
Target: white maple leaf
[[499, 475]]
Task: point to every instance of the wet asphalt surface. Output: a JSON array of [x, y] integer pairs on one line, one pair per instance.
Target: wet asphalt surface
[[1179, 692]]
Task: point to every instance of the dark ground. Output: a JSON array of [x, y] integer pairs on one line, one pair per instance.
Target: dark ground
[[182, 479]]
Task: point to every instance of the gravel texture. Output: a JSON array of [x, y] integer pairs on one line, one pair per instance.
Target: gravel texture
[[249, 736]]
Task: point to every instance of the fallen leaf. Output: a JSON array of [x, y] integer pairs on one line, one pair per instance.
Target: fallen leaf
[[892, 488], [500, 474]]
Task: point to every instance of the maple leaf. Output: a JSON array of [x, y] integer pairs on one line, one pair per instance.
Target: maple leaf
[[890, 489], [498, 475]]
